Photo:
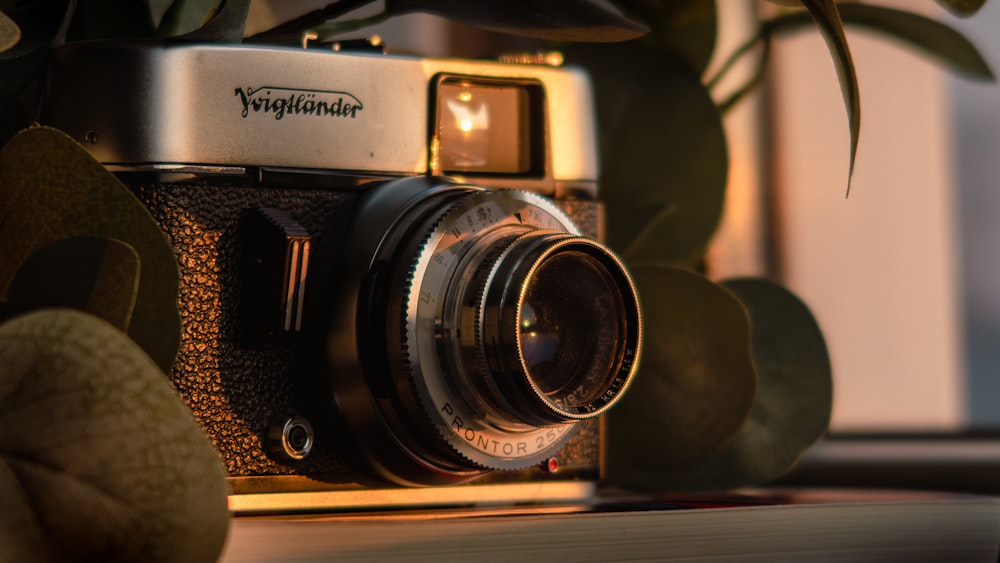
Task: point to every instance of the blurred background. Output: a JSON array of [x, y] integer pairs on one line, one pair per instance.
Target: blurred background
[[904, 275]]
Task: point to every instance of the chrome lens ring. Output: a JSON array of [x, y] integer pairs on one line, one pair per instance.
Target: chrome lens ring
[[472, 281], [562, 322]]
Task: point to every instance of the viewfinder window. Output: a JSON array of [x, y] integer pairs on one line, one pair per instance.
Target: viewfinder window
[[483, 128]]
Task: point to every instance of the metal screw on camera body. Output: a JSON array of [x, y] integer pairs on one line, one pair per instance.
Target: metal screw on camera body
[[290, 438]]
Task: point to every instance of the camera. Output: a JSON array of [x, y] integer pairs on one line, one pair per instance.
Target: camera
[[390, 269]]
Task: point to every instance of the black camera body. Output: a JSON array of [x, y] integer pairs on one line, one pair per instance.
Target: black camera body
[[389, 269]]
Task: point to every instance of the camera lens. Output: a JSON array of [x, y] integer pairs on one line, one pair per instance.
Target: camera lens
[[488, 328], [516, 328], [555, 330], [567, 329]]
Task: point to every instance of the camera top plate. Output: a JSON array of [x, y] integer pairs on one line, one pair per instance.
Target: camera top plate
[[135, 104]]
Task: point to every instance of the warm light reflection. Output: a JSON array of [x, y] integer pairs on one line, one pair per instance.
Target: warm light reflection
[[469, 118]]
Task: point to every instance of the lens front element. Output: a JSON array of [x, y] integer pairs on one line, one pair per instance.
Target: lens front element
[[572, 330]]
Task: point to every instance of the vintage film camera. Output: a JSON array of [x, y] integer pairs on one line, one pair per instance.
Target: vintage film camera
[[389, 272]]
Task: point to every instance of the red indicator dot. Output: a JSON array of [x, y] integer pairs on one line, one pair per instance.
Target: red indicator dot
[[550, 465]]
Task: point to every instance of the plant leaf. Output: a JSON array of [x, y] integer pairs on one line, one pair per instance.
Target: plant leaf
[[158, 9], [52, 189], [825, 13], [663, 152], [291, 31], [962, 8], [92, 274], [930, 36], [185, 16], [99, 459], [794, 396], [206, 20], [696, 384], [933, 38], [567, 20], [684, 28], [10, 34], [42, 24], [161, 19]]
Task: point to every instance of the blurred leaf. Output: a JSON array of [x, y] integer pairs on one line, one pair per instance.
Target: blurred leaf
[[10, 34], [567, 20], [52, 189], [158, 9], [663, 152], [185, 16], [206, 20], [962, 8], [92, 274], [157, 19], [320, 19], [751, 83], [825, 13], [684, 28], [934, 38], [99, 459], [696, 384], [227, 23], [794, 396], [42, 24], [927, 35]]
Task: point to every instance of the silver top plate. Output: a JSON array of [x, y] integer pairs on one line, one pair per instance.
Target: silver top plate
[[221, 105]]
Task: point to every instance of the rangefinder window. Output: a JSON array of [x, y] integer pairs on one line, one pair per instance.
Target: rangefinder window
[[487, 128]]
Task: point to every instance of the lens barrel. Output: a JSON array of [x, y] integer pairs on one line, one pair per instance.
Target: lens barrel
[[490, 330], [557, 326]]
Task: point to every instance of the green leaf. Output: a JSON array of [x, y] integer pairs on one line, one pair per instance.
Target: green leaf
[[684, 28], [99, 459], [41, 22], [794, 396], [51, 189], [943, 43], [10, 34], [825, 13], [226, 22], [663, 152], [695, 386], [185, 16], [962, 8], [92, 274], [567, 20], [157, 10], [161, 19], [319, 20], [206, 20], [932, 37]]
